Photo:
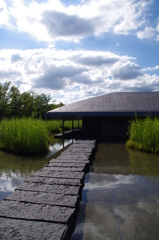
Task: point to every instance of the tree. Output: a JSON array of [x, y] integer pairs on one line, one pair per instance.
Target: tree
[[26, 104], [41, 104], [14, 102], [4, 99]]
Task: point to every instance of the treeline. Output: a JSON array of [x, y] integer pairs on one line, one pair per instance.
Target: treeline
[[26, 104]]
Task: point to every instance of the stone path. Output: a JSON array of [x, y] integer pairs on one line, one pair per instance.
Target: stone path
[[46, 205]]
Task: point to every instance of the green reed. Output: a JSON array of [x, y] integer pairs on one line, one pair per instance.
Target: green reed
[[30, 136], [144, 134], [23, 136]]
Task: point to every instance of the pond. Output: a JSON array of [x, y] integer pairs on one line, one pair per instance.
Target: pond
[[120, 199], [14, 169]]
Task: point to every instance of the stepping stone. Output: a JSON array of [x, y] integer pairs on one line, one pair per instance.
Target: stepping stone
[[52, 174], [64, 169], [72, 158], [58, 181], [41, 187], [75, 155], [79, 150], [20, 229], [74, 165], [36, 212], [83, 146], [66, 164], [44, 198]]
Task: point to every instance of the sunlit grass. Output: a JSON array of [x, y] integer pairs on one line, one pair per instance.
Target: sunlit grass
[[23, 136], [30, 136], [144, 134]]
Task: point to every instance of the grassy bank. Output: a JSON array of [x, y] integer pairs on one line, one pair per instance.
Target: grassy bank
[[29, 136], [144, 134]]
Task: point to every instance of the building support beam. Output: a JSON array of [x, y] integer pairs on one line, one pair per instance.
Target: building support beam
[[78, 122], [63, 124], [72, 124]]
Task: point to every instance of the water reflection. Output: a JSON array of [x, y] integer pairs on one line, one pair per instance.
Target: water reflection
[[14, 169], [120, 199], [145, 164]]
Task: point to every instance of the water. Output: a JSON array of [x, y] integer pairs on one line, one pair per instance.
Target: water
[[14, 169], [120, 199]]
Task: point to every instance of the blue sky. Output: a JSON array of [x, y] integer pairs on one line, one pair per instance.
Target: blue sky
[[75, 49]]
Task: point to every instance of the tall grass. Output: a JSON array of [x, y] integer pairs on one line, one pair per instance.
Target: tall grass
[[144, 134], [23, 136], [30, 136]]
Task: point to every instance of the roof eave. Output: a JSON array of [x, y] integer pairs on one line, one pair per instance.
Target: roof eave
[[100, 114]]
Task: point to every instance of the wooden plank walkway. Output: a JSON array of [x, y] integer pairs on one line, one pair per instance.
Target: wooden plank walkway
[[46, 205]]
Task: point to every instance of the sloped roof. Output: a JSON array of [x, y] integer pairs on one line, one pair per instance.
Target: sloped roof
[[113, 104]]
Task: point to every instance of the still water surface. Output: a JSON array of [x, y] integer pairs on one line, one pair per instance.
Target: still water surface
[[14, 169], [120, 199]]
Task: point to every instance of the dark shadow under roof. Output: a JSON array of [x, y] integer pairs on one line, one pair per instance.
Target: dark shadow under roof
[[113, 104]]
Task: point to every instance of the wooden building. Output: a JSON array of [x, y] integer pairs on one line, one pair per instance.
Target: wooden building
[[108, 116]]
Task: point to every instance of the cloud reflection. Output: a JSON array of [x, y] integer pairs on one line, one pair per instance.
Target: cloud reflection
[[8, 184]]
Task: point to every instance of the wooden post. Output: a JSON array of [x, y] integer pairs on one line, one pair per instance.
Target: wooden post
[[72, 124], [63, 121], [78, 122]]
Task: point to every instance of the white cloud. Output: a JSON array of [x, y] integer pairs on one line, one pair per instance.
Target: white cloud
[[69, 76], [150, 68], [66, 26], [51, 22], [128, 21], [126, 70], [3, 13], [148, 33]]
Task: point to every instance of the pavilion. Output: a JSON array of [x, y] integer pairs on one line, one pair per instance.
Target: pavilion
[[107, 116]]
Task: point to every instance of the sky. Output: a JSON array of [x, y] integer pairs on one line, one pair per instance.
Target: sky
[[76, 49]]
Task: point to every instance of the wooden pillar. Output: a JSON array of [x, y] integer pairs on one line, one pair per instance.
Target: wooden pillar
[[78, 122], [72, 124], [63, 123]]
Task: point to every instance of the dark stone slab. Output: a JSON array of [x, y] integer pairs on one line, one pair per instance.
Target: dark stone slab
[[41, 187], [36, 212], [76, 155], [85, 141], [64, 169], [44, 198], [73, 158], [58, 181], [69, 162], [78, 150], [83, 146], [12, 229], [52, 174], [76, 166], [66, 164]]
